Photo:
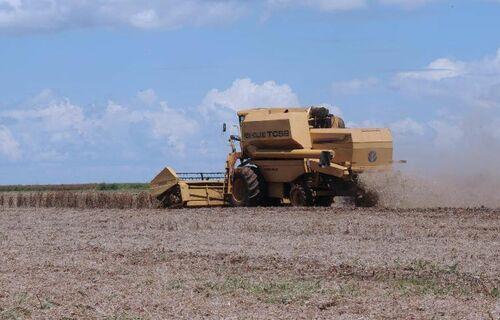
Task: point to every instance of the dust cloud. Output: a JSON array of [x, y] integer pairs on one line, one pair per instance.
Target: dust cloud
[[445, 171], [413, 189]]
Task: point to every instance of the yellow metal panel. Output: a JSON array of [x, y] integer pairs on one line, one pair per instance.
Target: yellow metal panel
[[184, 191], [164, 181], [204, 203], [332, 170], [330, 135], [276, 130], [363, 148], [204, 194], [284, 154], [281, 170], [276, 190]]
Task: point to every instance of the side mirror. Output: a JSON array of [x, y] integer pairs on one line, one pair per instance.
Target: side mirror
[[325, 159], [224, 127]]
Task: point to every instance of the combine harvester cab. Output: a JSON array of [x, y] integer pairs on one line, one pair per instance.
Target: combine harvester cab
[[189, 189]]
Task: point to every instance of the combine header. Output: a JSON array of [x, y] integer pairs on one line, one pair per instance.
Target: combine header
[[301, 156], [190, 189]]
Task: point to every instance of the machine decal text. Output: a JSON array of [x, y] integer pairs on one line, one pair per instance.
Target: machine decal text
[[267, 134]]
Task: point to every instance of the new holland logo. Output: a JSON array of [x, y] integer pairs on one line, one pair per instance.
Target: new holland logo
[[372, 156]]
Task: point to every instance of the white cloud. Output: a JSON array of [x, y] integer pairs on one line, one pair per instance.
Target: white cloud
[[323, 5], [49, 128], [56, 129], [409, 4], [39, 15], [437, 70], [147, 96], [471, 83], [354, 86], [54, 15], [335, 110], [9, 147], [466, 95], [50, 155], [447, 134], [172, 125], [115, 117], [244, 93], [163, 124], [365, 124], [407, 127], [345, 5], [60, 120], [146, 19]]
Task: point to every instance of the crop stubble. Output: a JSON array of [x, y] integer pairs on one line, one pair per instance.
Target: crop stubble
[[78, 199], [251, 263]]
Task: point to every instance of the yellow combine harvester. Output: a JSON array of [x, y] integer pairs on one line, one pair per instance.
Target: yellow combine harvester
[[302, 156]]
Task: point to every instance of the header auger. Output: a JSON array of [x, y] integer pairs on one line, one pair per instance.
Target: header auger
[[301, 156]]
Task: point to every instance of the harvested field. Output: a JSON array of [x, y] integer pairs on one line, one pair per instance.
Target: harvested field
[[338, 263]]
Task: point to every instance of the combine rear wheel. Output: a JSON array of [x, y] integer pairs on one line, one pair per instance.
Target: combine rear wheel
[[247, 188], [301, 196]]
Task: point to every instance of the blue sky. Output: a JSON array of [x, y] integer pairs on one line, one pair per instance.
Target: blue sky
[[112, 91]]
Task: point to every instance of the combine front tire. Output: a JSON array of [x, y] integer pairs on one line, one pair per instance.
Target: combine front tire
[[301, 196], [247, 188]]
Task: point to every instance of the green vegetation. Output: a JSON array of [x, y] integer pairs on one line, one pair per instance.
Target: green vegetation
[[274, 291], [76, 187], [280, 291], [122, 186], [20, 309], [176, 284], [495, 293], [123, 316], [423, 286], [440, 280]]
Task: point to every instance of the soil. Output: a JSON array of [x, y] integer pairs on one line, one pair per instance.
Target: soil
[[260, 263]]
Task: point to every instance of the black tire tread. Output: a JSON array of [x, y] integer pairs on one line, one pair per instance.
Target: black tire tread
[[254, 185], [305, 192]]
